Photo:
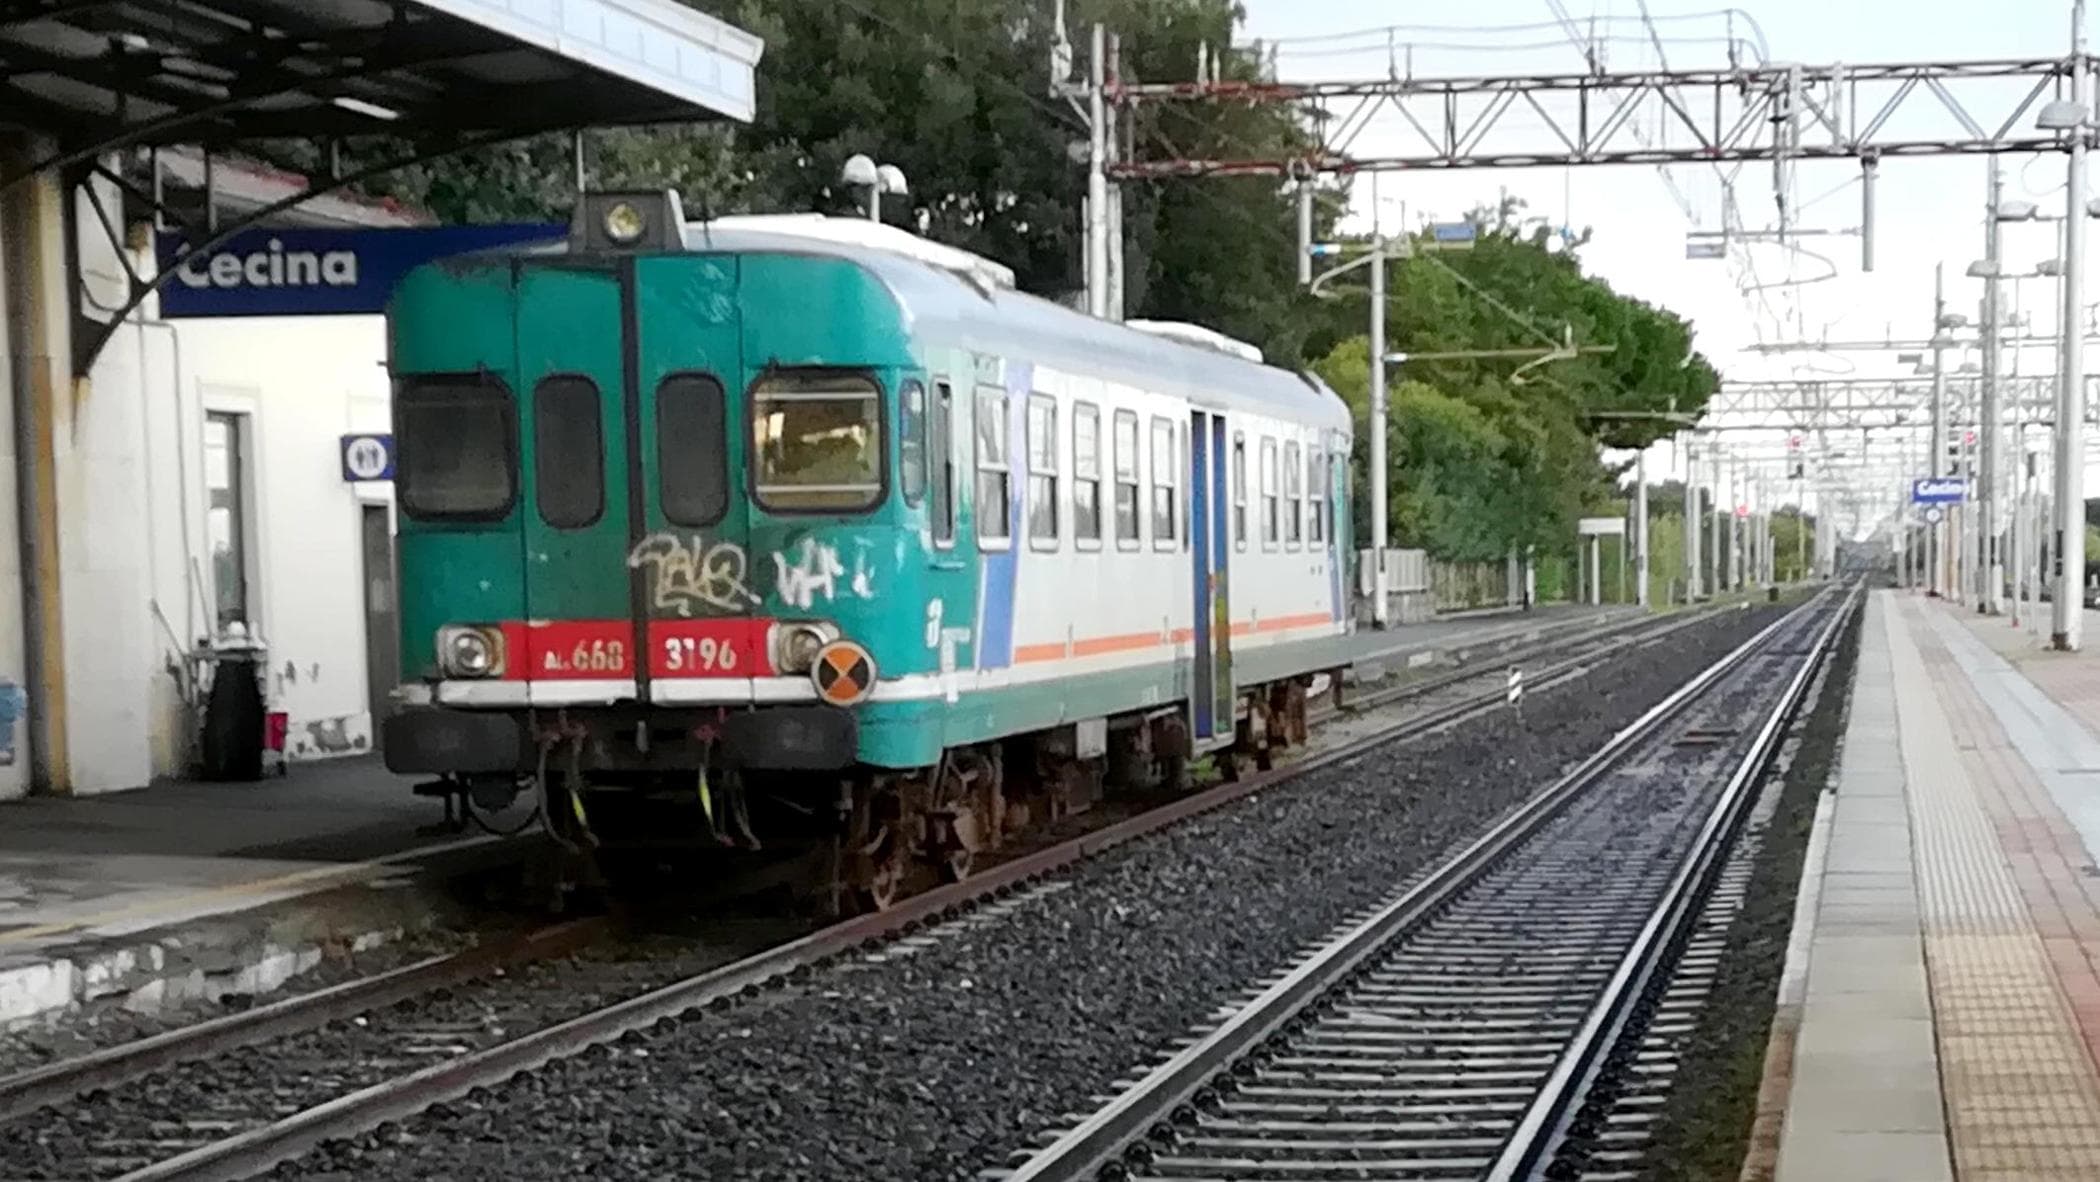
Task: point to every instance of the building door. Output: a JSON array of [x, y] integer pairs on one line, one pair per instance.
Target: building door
[[382, 631]]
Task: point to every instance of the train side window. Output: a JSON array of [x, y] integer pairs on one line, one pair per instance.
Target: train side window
[[1269, 513], [1239, 490], [1128, 529], [1086, 475], [1042, 471], [1163, 483], [1316, 497], [1293, 497], [568, 451], [692, 450], [994, 469], [459, 448], [911, 439], [940, 443]]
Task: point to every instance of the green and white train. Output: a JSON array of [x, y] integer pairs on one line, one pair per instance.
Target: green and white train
[[808, 533]]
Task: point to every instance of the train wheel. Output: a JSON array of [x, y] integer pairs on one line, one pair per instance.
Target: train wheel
[[872, 857], [970, 817]]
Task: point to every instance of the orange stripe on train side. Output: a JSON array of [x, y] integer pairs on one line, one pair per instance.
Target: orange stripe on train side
[[1128, 642], [1030, 653], [1287, 623]]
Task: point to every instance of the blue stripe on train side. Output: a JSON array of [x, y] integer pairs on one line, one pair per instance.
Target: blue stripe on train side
[[1337, 472], [995, 612], [1200, 555]]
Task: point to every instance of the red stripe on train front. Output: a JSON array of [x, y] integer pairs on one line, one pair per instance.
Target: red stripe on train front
[[602, 650], [569, 650], [733, 646]]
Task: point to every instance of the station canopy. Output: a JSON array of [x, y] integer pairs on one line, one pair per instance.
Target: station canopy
[[112, 74]]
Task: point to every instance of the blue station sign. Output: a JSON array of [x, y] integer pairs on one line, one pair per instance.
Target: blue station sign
[[318, 272], [368, 456], [1939, 490]]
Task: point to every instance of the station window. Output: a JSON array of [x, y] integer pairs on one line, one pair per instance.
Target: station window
[[816, 442], [458, 448], [911, 439], [1293, 496], [1269, 511], [1239, 490], [1086, 473], [568, 451], [226, 514], [1042, 469], [940, 442], [994, 468], [1128, 528], [1316, 497], [692, 449]]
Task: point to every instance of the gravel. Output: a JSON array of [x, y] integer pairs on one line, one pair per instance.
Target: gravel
[[935, 1058], [1706, 1122]]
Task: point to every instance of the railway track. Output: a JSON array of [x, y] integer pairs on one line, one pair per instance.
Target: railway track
[[1461, 1029], [271, 1083]]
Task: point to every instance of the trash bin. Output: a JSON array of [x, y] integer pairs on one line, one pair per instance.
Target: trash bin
[[233, 736]]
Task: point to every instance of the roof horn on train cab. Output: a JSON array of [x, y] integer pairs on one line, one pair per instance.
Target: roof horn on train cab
[[628, 221]]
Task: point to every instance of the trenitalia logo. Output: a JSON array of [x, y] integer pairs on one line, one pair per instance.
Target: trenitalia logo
[[272, 266], [296, 271]]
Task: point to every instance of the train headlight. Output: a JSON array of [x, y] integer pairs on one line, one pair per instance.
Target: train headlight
[[795, 646], [470, 652], [624, 223]]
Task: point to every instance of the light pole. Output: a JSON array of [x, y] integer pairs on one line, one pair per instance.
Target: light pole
[[863, 173], [2070, 117]]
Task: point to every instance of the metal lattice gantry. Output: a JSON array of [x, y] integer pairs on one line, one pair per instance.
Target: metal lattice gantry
[[1746, 113]]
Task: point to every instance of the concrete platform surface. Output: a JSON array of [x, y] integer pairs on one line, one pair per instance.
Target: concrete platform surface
[[187, 888], [1950, 1024]]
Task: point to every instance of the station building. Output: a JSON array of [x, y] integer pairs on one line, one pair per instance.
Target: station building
[[179, 479]]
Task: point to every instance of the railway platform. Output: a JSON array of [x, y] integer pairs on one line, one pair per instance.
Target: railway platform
[[146, 897], [1939, 1016], [186, 888]]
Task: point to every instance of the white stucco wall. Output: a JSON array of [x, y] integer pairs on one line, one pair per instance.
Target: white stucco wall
[[137, 567]]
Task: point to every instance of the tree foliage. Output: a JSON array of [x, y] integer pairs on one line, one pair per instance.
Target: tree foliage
[[1486, 455], [1494, 453]]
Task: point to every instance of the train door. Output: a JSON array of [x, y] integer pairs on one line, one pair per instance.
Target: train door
[[579, 640], [1211, 696], [695, 591]]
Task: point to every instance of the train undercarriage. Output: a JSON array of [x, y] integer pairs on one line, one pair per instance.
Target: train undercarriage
[[634, 801]]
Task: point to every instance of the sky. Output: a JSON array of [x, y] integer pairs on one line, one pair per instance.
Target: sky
[[1927, 211]]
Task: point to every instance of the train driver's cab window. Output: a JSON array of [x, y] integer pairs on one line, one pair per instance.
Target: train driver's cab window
[[1086, 475], [458, 448], [1128, 528], [1042, 471], [994, 469], [816, 442], [1269, 513], [1293, 497], [1239, 491], [1163, 483]]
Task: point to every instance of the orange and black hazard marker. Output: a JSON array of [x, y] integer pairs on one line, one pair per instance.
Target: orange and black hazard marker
[[844, 673]]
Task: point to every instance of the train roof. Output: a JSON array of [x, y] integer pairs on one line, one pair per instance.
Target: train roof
[[974, 299]]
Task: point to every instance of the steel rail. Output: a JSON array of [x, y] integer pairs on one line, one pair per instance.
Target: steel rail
[[263, 1148], [1101, 1139], [1543, 1128], [55, 1083]]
